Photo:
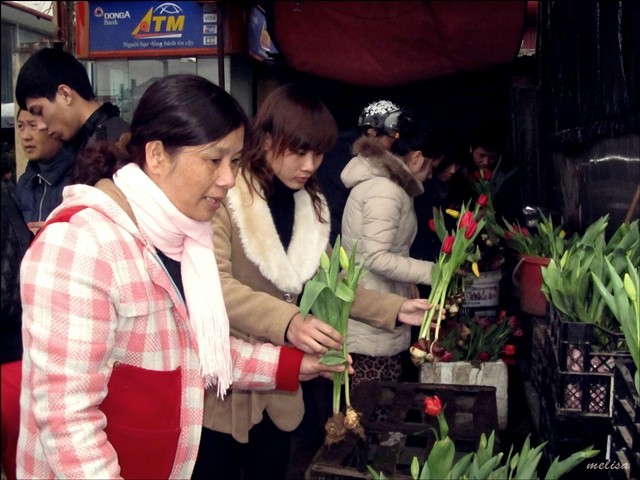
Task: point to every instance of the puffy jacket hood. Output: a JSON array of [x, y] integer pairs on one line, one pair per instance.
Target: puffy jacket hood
[[372, 161]]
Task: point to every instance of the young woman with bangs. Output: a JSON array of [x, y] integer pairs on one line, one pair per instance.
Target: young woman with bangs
[[268, 236]]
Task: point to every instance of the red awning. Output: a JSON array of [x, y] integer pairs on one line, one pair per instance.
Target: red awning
[[382, 44]]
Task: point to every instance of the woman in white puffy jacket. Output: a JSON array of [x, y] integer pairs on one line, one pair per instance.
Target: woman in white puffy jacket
[[379, 215]]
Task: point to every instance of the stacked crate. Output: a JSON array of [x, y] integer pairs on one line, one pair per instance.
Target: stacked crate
[[397, 428], [573, 369], [626, 423]]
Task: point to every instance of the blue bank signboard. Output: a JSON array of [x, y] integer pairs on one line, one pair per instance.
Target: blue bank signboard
[[118, 29]]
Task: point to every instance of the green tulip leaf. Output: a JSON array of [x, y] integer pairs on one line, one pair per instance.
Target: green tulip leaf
[[312, 290], [333, 358], [441, 457]]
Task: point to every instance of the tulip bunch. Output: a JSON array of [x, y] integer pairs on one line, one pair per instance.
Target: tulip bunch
[[457, 248], [481, 339], [329, 296], [482, 183], [549, 240], [484, 462], [620, 289]]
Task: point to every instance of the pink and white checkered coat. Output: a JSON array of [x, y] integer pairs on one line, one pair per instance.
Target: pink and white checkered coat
[[96, 297]]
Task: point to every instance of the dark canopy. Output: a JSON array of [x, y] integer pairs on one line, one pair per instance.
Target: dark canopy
[[381, 44]]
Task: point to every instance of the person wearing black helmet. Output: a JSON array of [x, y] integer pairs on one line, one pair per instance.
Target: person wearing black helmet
[[383, 120], [379, 220]]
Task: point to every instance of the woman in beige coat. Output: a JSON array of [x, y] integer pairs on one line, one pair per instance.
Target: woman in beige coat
[[268, 237], [379, 215]]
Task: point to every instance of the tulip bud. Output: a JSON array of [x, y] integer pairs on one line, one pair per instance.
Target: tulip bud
[[629, 287], [484, 356], [447, 244], [344, 259], [483, 200], [475, 269], [432, 225], [562, 234], [325, 263], [470, 231], [465, 220], [452, 212], [563, 260], [509, 349], [432, 405]]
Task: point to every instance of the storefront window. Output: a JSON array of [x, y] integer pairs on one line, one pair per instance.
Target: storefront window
[[122, 82]]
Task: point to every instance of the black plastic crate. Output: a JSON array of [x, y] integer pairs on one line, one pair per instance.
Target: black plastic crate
[[585, 347], [586, 357], [626, 420], [397, 429]]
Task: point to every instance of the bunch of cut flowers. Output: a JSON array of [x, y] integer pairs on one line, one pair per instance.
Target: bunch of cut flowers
[[479, 339], [458, 247], [548, 240], [489, 242], [329, 296], [482, 183]]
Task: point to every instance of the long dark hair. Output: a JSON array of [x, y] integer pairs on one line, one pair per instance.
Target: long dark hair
[[296, 120], [179, 110]]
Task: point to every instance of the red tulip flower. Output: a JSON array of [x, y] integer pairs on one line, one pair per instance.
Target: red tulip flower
[[432, 406], [486, 174], [525, 232], [432, 224], [465, 219], [509, 349], [447, 244], [483, 200], [470, 231], [484, 356]]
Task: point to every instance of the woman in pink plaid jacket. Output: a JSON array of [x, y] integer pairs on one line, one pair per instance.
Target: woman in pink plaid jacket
[[124, 324]]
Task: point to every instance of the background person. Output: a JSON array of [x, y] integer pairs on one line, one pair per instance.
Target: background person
[[54, 87], [268, 237], [438, 194], [39, 188], [15, 237], [382, 119], [124, 323]]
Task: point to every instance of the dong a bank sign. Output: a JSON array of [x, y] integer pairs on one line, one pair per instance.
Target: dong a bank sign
[[135, 29]]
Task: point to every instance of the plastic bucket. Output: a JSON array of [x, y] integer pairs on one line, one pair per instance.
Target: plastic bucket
[[482, 294], [527, 278]]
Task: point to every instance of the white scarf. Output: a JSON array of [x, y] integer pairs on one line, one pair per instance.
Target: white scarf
[[189, 242]]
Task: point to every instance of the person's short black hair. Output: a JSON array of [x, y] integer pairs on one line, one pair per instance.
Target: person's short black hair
[[487, 136], [45, 70], [421, 137]]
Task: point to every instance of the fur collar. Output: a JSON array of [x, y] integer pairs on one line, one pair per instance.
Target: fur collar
[[381, 162], [286, 270]]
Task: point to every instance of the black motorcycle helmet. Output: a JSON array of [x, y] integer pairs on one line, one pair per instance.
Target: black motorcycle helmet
[[386, 117]]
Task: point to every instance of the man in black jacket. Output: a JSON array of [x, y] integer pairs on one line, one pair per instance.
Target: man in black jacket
[[54, 87]]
